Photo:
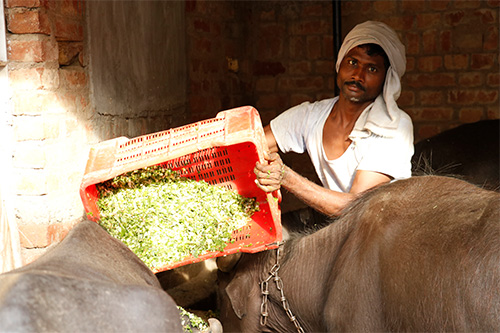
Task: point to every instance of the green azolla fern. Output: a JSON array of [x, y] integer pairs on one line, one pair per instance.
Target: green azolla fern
[[163, 217]]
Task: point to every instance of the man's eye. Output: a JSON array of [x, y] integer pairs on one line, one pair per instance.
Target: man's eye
[[351, 62], [372, 69]]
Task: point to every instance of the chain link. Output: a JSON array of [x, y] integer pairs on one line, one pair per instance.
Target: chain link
[[264, 288]]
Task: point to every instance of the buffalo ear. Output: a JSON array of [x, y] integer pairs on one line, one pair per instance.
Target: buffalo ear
[[238, 290]]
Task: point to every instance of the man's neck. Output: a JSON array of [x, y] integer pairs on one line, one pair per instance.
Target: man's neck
[[349, 111]]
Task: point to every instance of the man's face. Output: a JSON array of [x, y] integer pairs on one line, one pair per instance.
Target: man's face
[[361, 77]]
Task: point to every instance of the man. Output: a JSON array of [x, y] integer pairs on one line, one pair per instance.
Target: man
[[357, 140]]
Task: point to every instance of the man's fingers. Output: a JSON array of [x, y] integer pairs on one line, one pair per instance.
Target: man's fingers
[[266, 188]]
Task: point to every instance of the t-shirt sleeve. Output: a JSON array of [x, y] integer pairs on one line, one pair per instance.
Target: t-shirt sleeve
[[391, 156], [289, 128]]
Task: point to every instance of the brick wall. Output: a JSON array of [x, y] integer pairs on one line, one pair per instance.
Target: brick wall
[[285, 55], [452, 72], [215, 37], [49, 100]]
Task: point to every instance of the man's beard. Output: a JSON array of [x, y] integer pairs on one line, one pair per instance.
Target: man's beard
[[354, 99]]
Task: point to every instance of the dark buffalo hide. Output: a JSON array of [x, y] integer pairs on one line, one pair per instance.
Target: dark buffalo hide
[[90, 282], [470, 152], [418, 255]]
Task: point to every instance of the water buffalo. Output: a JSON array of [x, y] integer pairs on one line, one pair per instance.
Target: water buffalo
[[421, 255], [469, 151], [90, 282]]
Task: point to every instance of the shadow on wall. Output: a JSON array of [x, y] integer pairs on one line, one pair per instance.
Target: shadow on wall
[[469, 152]]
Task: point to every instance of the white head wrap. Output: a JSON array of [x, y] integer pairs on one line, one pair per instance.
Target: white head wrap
[[381, 117]]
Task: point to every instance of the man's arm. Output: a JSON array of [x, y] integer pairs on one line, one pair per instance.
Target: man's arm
[[271, 176]]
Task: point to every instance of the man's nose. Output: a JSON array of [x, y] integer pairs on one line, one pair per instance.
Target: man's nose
[[358, 74]]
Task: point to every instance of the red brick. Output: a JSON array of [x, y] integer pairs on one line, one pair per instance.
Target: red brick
[[325, 67], [470, 79], [29, 154], [274, 101], [427, 131], [316, 9], [33, 236], [430, 64], [471, 115], [268, 68], [73, 78], [355, 7], [493, 79], [467, 97], [428, 20], [385, 6], [429, 41], [458, 61], [413, 112], [468, 4], [446, 43], [410, 64], [493, 3], [436, 113], [491, 39], [270, 45], [67, 102], [310, 27], [30, 182], [265, 84], [331, 83], [412, 42], [297, 47], [487, 16], [493, 112], [35, 49], [23, 3], [267, 15], [57, 231], [468, 41], [67, 30], [411, 6], [431, 97], [303, 84], [36, 102], [328, 47], [190, 6], [407, 98], [454, 18], [430, 80], [400, 23], [313, 47], [201, 25], [33, 78], [72, 8], [482, 61], [439, 5], [202, 45], [300, 68], [28, 21]]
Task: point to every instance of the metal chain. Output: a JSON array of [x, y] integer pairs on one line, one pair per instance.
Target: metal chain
[[264, 289]]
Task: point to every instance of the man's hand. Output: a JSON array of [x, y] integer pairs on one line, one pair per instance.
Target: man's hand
[[270, 175]]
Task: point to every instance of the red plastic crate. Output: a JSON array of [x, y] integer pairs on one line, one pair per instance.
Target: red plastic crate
[[221, 151]]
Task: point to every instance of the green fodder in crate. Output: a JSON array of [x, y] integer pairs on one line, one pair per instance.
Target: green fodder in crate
[[163, 218]]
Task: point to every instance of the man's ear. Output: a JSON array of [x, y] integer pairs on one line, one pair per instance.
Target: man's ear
[[238, 290]]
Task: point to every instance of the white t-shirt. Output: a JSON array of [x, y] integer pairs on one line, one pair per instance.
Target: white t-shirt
[[300, 129]]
